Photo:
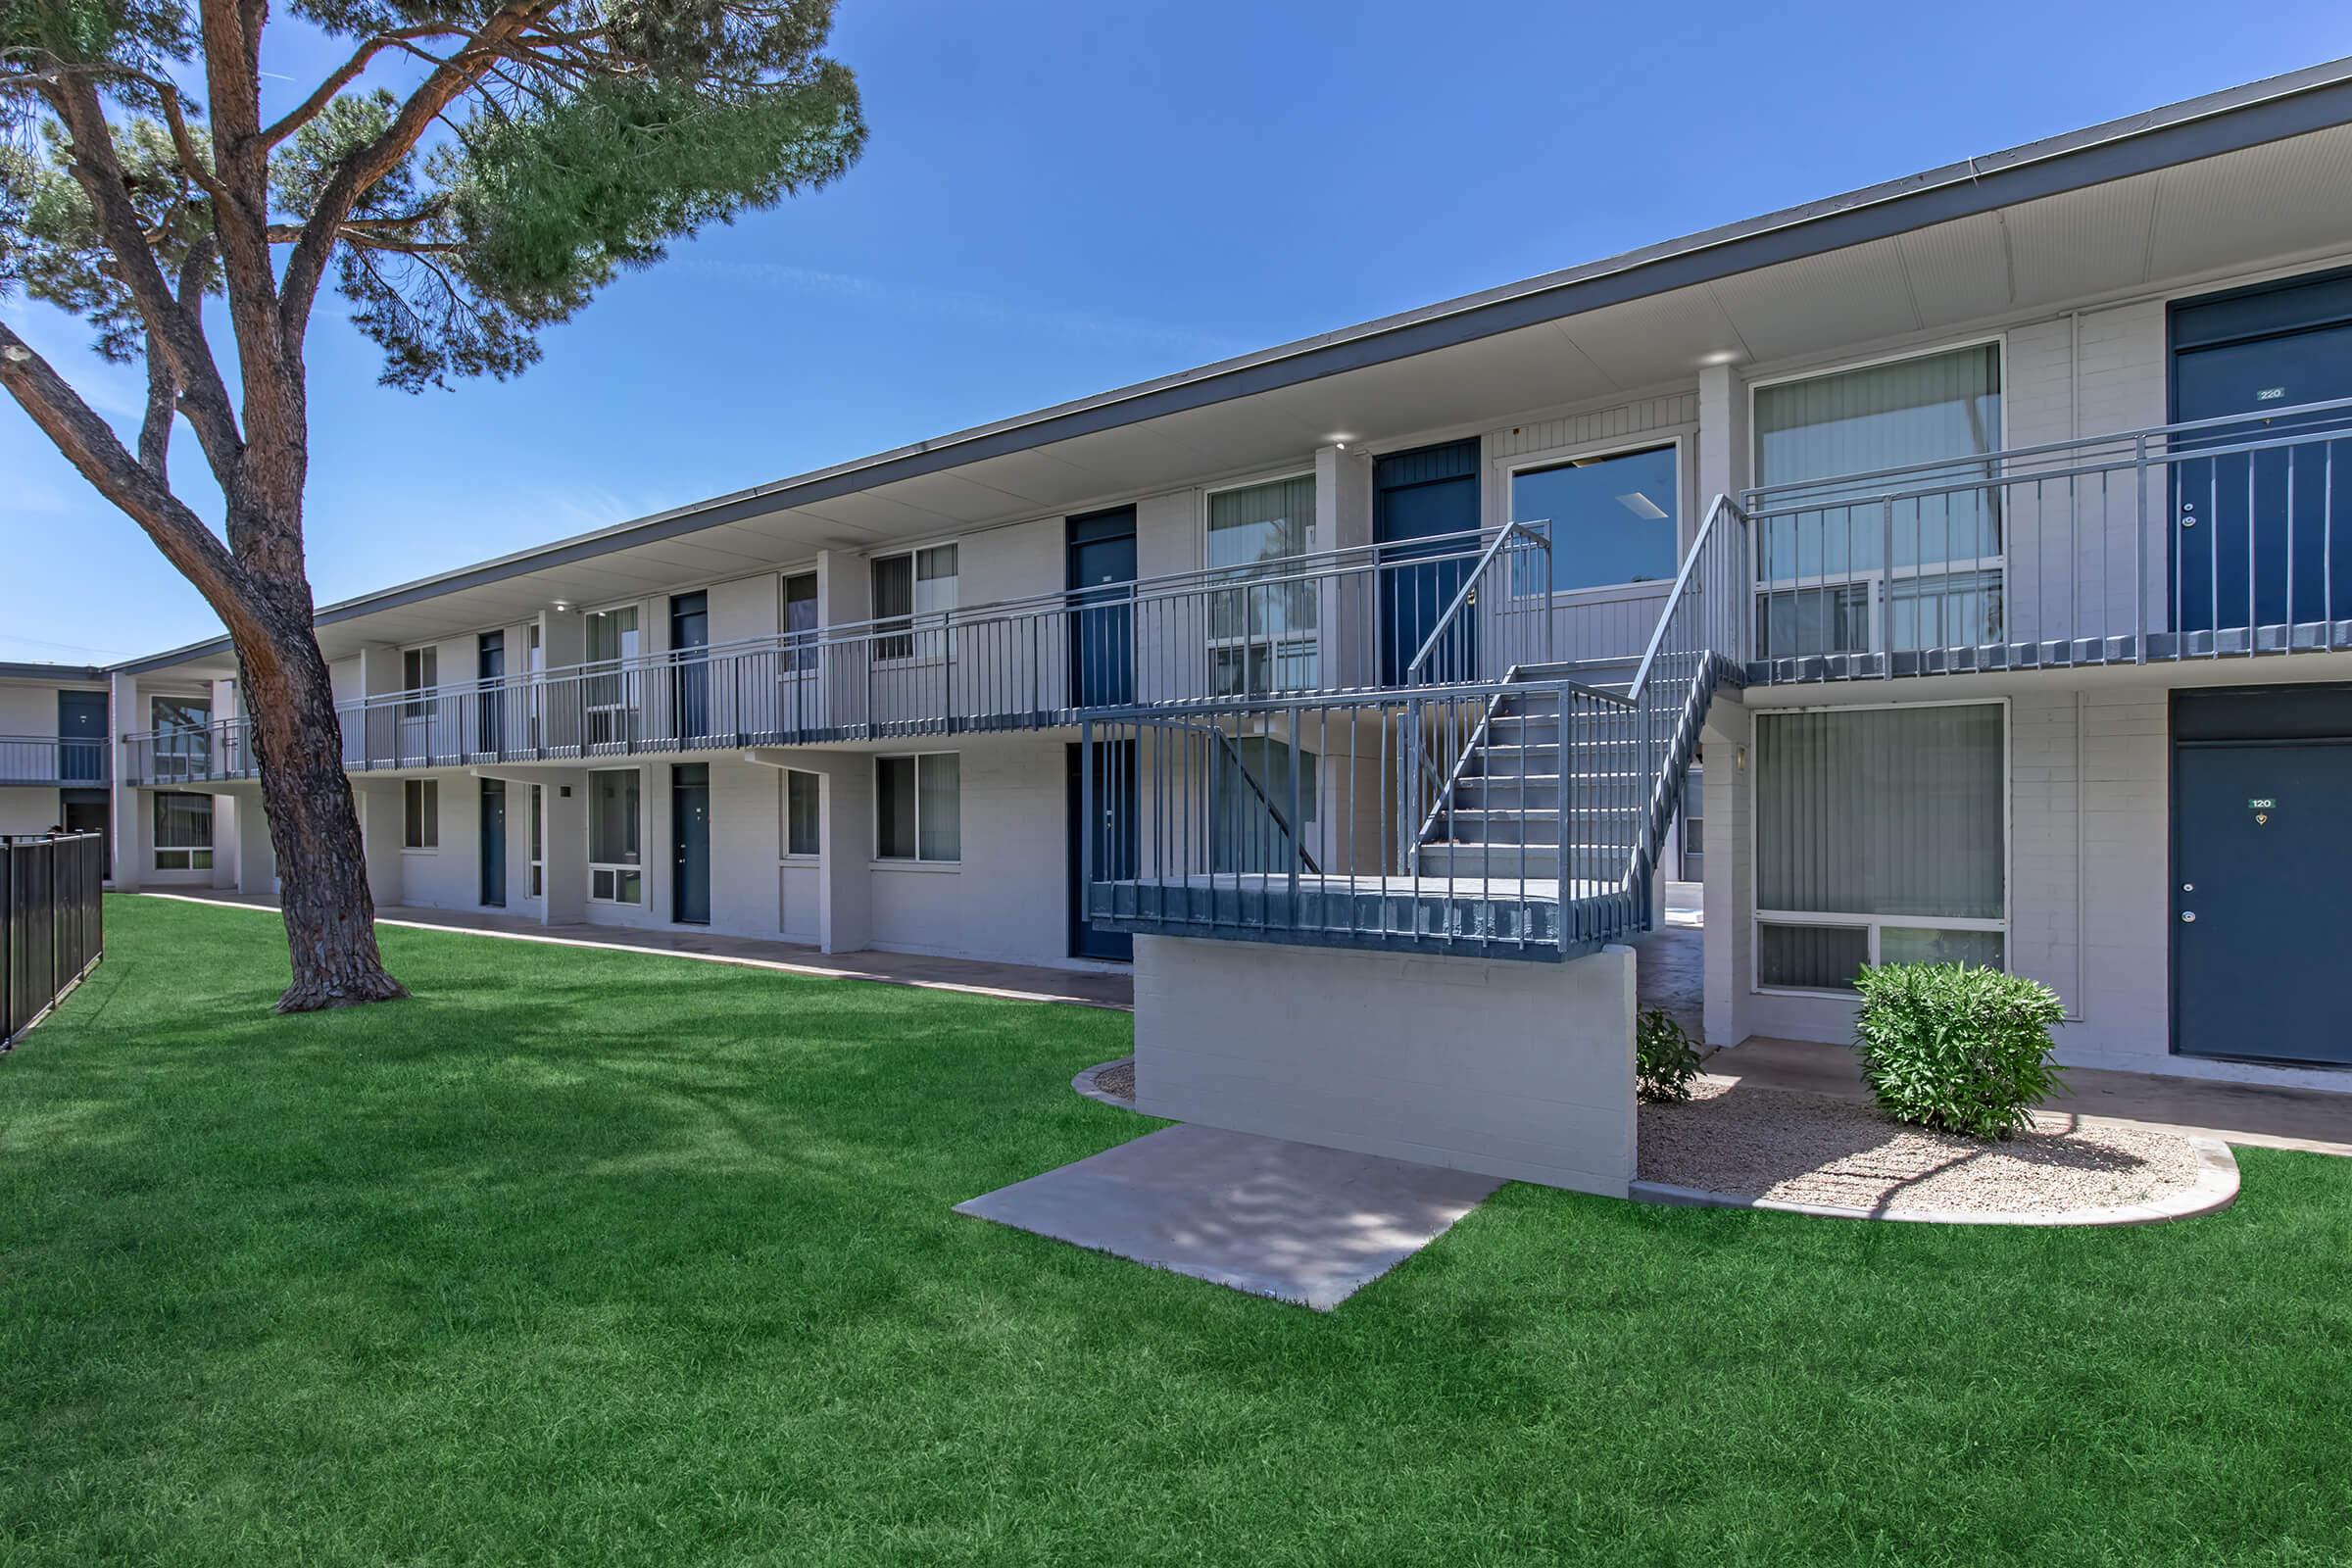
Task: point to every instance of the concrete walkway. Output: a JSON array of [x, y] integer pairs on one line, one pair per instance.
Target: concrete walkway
[[1090, 988], [1264, 1215]]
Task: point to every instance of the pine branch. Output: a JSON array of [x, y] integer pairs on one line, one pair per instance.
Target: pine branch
[[346, 74], [358, 171]]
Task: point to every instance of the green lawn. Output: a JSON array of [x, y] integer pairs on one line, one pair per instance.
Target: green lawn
[[588, 1257]]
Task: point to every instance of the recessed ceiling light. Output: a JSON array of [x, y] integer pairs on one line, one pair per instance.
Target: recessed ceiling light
[[1640, 506]]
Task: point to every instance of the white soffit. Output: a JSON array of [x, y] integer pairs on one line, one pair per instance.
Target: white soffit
[[1959, 270], [1851, 295], [2284, 197]]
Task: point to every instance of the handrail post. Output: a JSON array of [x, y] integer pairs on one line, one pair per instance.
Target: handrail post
[[1086, 820], [2139, 551]]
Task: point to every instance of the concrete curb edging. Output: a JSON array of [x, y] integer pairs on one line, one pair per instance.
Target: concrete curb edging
[[2214, 1190], [1084, 1083]]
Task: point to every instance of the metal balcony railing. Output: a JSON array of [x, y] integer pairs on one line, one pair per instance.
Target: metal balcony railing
[[192, 754], [1425, 610], [2208, 539], [46, 759]]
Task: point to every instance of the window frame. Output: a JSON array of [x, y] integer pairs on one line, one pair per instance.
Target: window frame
[[424, 660], [613, 872], [1213, 645], [1759, 917], [799, 658], [1682, 438], [917, 859], [192, 857], [186, 747], [1875, 583], [901, 641], [785, 852], [419, 817]]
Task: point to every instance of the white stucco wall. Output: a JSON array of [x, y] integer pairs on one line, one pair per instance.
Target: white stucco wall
[[1368, 1052]]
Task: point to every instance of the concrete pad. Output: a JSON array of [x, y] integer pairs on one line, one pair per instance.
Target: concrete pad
[[1268, 1216]]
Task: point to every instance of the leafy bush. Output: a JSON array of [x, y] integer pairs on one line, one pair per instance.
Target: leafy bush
[[1958, 1049], [1664, 1059]]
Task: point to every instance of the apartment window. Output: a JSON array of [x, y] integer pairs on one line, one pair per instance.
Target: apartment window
[[1612, 517], [1263, 615], [797, 621], [183, 832], [183, 737], [918, 807], [1254, 825], [1882, 837], [419, 672], [538, 841], [614, 875], [610, 695], [421, 814], [913, 592], [1845, 572], [803, 793]]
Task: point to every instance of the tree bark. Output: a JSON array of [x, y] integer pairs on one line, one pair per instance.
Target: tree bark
[[314, 824]]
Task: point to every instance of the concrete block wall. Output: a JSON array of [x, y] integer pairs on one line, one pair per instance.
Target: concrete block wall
[[1513, 1069]]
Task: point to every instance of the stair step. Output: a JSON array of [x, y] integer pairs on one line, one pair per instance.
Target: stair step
[[1534, 863]]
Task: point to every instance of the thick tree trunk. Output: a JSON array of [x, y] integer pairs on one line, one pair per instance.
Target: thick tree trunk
[[321, 859]]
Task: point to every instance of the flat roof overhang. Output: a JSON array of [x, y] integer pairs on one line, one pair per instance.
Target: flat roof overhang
[[2192, 189]]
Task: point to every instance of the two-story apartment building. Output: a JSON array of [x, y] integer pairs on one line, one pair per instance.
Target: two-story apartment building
[[1984, 531], [55, 755]]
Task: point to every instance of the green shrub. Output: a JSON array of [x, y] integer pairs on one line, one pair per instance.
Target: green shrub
[[1958, 1049], [1664, 1059]]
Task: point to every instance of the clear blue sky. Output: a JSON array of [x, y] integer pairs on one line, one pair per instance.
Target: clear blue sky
[[1061, 198]]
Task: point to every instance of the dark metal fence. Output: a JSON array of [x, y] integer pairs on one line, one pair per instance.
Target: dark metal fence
[[52, 925]]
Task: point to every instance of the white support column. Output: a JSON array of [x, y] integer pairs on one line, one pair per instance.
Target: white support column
[[257, 853], [1343, 521], [567, 847], [1722, 439], [1729, 902], [379, 806], [844, 842], [125, 714]]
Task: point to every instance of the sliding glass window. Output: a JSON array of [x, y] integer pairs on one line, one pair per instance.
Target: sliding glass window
[[1263, 615], [918, 808], [613, 872], [1843, 569], [183, 832], [1882, 837]]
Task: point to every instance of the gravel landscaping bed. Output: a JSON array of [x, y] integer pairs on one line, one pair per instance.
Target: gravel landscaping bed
[[1117, 1079], [1816, 1149]]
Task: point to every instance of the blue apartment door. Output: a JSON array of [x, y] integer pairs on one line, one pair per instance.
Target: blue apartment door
[[81, 737], [490, 697], [2261, 884], [2247, 523], [494, 843], [690, 843], [689, 642], [1420, 498], [1102, 608], [1116, 847]]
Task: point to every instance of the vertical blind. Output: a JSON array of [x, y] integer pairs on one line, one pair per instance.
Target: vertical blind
[[1888, 812], [1929, 409], [1880, 416]]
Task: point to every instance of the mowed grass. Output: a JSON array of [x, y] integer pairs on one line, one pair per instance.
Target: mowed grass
[[589, 1257]]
